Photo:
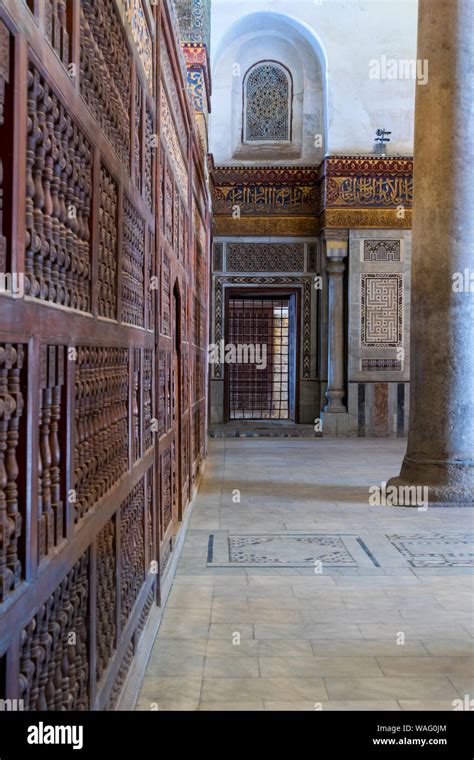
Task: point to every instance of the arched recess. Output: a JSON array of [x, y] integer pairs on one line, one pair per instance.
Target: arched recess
[[282, 38]]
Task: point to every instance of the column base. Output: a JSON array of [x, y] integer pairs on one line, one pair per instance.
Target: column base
[[337, 424], [447, 483]]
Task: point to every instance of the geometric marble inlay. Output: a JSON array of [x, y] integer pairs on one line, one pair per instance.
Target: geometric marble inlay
[[218, 257], [382, 250], [294, 550], [436, 549], [265, 257], [381, 310], [289, 550], [381, 365]]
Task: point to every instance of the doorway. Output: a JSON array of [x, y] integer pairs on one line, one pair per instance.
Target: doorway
[[261, 357]]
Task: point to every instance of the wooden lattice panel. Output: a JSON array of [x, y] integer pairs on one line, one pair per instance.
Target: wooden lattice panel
[[97, 248], [132, 548], [12, 432], [106, 603], [162, 365], [148, 392], [136, 416], [133, 263], [166, 490], [150, 150], [57, 28], [152, 282], [150, 516], [58, 200], [52, 455], [101, 407], [54, 647], [106, 73], [165, 295], [6, 135], [108, 246], [138, 134]]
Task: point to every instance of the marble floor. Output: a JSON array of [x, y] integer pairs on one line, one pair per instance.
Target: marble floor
[[294, 593]]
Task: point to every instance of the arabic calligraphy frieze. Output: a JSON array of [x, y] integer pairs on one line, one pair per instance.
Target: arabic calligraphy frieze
[[368, 191], [271, 199]]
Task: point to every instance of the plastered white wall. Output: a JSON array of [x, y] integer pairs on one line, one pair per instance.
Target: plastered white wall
[[329, 45]]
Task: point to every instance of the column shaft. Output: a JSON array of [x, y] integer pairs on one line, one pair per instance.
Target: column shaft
[[440, 452]]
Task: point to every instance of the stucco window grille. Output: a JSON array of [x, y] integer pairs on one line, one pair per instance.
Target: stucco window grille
[[267, 103]]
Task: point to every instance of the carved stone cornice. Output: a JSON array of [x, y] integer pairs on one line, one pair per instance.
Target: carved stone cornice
[[367, 218], [369, 166], [290, 174]]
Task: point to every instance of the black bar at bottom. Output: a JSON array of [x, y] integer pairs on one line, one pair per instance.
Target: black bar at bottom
[[137, 734]]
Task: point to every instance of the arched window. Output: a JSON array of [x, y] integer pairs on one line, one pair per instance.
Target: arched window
[[267, 103]]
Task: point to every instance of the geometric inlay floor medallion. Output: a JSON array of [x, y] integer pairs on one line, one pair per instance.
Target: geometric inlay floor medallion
[[436, 549], [290, 550]]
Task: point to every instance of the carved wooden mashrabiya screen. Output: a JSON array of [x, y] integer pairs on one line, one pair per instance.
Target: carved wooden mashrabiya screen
[[184, 270], [101, 375]]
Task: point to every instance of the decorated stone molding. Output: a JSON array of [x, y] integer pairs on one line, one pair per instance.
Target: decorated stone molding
[[343, 192], [305, 282]]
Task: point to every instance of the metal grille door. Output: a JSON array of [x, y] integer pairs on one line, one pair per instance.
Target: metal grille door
[[257, 357]]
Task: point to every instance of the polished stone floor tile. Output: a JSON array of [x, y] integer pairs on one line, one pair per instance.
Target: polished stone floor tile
[[290, 689], [336, 705], [364, 648], [379, 623], [143, 705], [425, 705], [274, 667], [427, 666], [176, 664], [463, 684], [231, 667], [448, 647], [434, 687], [254, 615], [157, 689], [259, 648], [254, 706]]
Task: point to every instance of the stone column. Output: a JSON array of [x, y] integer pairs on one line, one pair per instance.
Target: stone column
[[440, 452], [335, 417]]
